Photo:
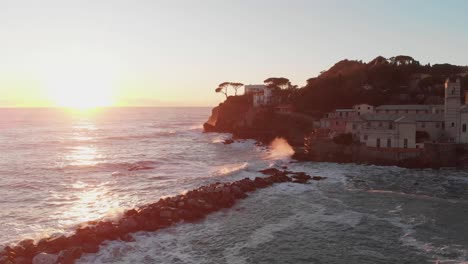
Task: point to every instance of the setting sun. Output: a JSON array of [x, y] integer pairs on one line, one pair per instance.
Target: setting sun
[[79, 89]]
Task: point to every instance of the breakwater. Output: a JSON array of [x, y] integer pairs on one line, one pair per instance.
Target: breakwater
[[189, 207]]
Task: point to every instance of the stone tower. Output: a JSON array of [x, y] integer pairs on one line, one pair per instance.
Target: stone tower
[[452, 109]]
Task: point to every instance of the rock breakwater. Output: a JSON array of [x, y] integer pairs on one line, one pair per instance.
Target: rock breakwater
[[189, 207]]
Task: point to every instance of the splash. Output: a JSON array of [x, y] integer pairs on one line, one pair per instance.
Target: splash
[[280, 149], [231, 168]]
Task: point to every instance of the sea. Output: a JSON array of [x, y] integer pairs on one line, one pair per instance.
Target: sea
[[60, 168]]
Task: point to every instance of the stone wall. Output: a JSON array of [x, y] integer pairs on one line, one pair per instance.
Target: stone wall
[[432, 156]]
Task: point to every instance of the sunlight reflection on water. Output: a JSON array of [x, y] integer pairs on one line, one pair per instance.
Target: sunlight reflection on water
[[92, 202]]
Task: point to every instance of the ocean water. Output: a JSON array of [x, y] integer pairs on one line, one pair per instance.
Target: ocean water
[[61, 168]]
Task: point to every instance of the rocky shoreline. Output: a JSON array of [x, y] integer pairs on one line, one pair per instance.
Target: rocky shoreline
[[189, 207]]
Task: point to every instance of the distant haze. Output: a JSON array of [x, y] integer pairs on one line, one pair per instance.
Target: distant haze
[[175, 53]]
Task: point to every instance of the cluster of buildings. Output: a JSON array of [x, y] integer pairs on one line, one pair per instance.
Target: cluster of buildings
[[403, 126]]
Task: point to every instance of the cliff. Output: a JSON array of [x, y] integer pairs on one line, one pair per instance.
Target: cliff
[[237, 116]]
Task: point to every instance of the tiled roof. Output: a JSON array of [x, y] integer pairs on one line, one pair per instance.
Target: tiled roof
[[408, 107], [403, 118]]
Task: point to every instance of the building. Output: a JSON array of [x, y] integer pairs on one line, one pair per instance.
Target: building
[[404, 126], [262, 95]]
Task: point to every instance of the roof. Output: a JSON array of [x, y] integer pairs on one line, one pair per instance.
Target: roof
[[422, 118], [379, 117], [403, 118], [408, 107]]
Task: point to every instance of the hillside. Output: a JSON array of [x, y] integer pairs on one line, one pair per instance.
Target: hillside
[[397, 80]]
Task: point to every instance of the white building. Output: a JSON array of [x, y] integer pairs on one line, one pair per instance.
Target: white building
[[262, 95], [407, 126]]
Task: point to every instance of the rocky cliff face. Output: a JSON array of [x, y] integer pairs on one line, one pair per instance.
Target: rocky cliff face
[[237, 116]]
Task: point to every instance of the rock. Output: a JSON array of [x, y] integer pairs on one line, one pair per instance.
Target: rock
[[127, 238], [318, 178], [302, 181], [301, 177], [44, 258], [269, 171], [105, 230], [228, 141], [131, 212], [90, 248], [53, 244], [208, 128], [68, 256], [128, 224], [22, 260], [166, 214], [5, 260]]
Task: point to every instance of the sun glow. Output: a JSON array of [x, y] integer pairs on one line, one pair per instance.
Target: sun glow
[[79, 87]]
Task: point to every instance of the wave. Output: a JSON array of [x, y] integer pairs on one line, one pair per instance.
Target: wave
[[230, 168]]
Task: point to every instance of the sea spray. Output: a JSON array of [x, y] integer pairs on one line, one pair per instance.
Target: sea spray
[[280, 149]]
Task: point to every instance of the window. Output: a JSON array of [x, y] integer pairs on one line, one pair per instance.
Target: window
[[443, 125], [378, 143], [389, 142], [341, 114], [437, 125], [354, 126], [464, 128], [405, 143], [390, 126], [380, 124], [368, 108], [453, 124], [359, 108], [423, 125], [336, 122], [365, 137], [359, 113], [406, 111]]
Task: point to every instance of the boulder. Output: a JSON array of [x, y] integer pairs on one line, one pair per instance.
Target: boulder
[[128, 224], [44, 258], [127, 238], [5, 260], [90, 248], [228, 141], [22, 260], [69, 255], [52, 244], [318, 178], [269, 171]]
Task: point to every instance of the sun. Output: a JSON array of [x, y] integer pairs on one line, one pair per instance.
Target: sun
[[80, 90]]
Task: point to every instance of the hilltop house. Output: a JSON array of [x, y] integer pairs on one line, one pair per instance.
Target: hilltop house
[[404, 126], [262, 95]]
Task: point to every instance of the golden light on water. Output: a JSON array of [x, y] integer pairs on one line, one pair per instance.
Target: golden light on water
[[92, 203]]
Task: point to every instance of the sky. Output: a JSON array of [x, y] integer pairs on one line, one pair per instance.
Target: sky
[[175, 53]]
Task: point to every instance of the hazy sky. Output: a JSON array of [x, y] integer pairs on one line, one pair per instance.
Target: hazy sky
[[176, 52]]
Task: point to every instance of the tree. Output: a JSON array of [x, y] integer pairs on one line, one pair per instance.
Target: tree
[[223, 88], [277, 82], [236, 86]]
